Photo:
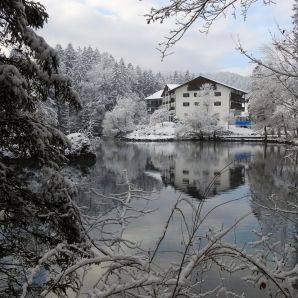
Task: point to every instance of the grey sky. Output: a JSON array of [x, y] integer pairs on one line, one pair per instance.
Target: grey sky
[[118, 26]]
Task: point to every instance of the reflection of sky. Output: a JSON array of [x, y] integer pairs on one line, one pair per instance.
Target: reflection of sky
[[148, 228]]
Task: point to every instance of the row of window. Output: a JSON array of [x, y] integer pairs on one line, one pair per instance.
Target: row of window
[[217, 93], [186, 104]]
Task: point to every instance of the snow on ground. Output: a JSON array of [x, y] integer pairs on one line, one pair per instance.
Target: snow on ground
[[159, 131], [168, 131], [241, 131]]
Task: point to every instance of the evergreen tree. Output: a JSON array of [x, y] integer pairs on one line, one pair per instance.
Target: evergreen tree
[[176, 78], [187, 76], [27, 80], [295, 22], [69, 59]]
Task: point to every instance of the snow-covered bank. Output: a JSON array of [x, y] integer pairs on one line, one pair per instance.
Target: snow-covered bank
[[176, 131], [240, 131], [79, 146], [165, 131], [169, 131]]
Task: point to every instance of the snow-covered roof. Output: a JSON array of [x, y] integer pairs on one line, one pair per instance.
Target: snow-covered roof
[[156, 95], [170, 87], [173, 86]]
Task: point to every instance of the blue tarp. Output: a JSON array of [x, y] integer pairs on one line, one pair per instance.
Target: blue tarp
[[242, 122]]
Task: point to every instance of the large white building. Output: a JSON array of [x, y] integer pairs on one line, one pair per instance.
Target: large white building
[[201, 94]]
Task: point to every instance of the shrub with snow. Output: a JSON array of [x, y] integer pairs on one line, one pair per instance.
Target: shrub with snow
[[159, 116], [128, 113], [79, 145], [159, 131]]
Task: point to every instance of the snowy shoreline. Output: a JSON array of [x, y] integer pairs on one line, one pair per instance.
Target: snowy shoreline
[[169, 132], [217, 139]]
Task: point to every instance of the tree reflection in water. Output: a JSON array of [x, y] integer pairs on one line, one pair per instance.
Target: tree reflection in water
[[38, 233], [43, 250], [273, 178]]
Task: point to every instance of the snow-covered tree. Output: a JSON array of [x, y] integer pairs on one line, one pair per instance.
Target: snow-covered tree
[[203, 118], [46, 112], [28, 78], [127, 113], [273, 102], [295, 20], [159, 116]]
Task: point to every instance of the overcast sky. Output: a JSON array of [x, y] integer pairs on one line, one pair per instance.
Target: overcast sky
[[118, 27]]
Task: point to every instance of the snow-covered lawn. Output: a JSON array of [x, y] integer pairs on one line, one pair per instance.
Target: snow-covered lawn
[[159, 131], [241, 131], [169, 130]]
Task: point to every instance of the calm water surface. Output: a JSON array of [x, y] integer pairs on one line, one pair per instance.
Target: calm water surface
[[259, 177]]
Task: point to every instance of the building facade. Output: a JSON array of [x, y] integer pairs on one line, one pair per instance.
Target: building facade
[[154, 101], [203, 95]]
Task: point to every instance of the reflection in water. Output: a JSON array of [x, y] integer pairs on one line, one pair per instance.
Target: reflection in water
[[261, 175], [188, 168], [44, 221], [197, 170], [273, 182]]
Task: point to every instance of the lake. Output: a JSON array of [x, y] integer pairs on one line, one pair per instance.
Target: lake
[[158, 201], [241, 177]]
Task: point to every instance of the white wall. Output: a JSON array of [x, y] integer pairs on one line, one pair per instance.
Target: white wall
[[183, 112]]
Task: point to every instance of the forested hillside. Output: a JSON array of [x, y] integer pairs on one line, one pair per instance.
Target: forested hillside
[[103, 82]]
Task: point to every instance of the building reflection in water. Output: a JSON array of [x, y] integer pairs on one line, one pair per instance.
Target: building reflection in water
[[203, 169]]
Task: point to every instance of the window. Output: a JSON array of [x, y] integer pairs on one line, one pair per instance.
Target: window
[[195, 94], [186, 104], [196, 103], [185, 94], [217, 93], [185, 172], [185, 114], [217, 103], [185, 181]]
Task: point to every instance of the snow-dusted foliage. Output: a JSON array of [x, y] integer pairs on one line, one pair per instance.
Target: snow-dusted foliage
[[46, 111], [160, 131], [127, 113], [27, 75], [28, 78], [274, 103], [159, 116], [101, 81], [202, 119], [80, 145]]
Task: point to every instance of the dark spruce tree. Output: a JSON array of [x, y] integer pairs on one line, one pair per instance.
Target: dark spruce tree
[[35, 222]]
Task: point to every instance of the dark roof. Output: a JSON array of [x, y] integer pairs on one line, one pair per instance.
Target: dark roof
[[214, 81]]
